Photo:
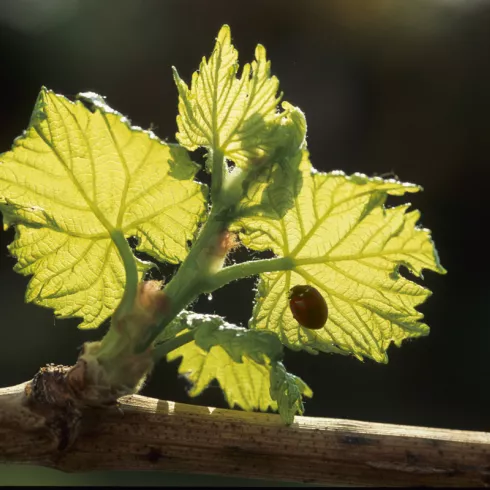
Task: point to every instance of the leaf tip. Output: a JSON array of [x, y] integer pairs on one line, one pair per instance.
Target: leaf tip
[[224, 35], [260, 53], [439, 267], [175, 74], [38, 114], [307, 391]]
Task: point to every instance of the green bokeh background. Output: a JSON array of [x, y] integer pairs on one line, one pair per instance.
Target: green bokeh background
[[387, 86]]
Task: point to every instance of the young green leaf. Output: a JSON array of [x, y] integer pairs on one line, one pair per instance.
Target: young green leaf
[[246, 364], [76, 177], [347, 245], [288, 391], [271, 189], [220, 111], [245, 383], [260, 347]]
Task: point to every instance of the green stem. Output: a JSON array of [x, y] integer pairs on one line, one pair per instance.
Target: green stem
[[161, 350], [112, 337], [129, 262], [219, 170], [185, 286], [190, 280], [196, 272], [246, 269]]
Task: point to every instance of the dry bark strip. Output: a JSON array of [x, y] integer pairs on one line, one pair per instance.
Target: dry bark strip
[[150, 434]]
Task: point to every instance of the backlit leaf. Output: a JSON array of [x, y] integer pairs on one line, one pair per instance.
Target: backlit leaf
[[271, 188], [350, 247], [71, 180], [246, 384], [246, 363], [235, 114]]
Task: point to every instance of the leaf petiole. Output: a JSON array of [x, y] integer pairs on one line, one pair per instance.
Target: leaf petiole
[[219, 171], [131, 270], [247, 269], [162, 349]]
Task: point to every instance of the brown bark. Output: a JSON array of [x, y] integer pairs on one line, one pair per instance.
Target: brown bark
[[149, 434]]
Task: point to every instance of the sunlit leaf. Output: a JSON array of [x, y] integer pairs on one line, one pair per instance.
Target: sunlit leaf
[[246, 364], [348, 246], [288, 391], [235, 114], [78, 174], [271, 185]]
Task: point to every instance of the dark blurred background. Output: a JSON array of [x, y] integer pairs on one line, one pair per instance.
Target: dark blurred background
[[387, 87]]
